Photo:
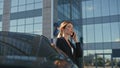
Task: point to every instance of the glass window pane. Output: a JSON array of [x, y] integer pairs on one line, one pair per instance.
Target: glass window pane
[[14, 9], [1, 0], [38, 19], [89, 9], [29, 21], [37, 27], [13, 22], [0, 24], [20, 28], [22, 8], [1, 5], [38, 0], [84, 34], [99, 51], [83, 10], [30, 6], [14, 2], [30, 1], [97, 8], [38, 5], [91, 52], [75, 13], [89, 57], [1, 11], [105, 8], [108, 51], [67, 9], [22, 2], [113, 7], [85, 53], [90, 33], [118, 3], [115, 32], [29, 28], [39, 33], [106, 32], [60, 10], [0, 28], [13, 29], [21, 21], [98, 32]]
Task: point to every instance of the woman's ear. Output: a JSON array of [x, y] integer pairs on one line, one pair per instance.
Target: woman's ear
[[62, 29]]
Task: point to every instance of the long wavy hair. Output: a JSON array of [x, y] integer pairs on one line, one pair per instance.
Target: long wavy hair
[[62, 27]]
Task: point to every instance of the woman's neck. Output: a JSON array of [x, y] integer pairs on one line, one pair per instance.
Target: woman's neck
[[66, 36]]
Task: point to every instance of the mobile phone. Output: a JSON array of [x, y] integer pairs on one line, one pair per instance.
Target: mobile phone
[[72, 34]]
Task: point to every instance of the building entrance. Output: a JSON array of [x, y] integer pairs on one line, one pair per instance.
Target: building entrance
[[103, 60]]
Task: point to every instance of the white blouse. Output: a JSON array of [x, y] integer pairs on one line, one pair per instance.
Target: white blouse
[[72, 50]]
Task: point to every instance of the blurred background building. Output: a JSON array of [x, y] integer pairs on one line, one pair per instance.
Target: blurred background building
[[97, 23]]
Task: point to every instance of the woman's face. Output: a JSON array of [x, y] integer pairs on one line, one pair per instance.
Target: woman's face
[[68, 29]]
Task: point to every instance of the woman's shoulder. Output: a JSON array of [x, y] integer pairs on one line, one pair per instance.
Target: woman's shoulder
[[60, 39]]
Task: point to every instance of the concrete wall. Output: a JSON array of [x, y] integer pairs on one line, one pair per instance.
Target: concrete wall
[[49, 17], [6, 15]]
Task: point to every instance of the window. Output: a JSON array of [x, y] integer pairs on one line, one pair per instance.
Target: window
[[38, 5], [29, 21], [98, 33], [113, 7], [14, 3], [37, 27], [14, 9], [115, 32], [21, 21], [21, 28], [1, 5], [21, 8], [30, 6], [22, 2], [30, 1], [90, 33], [0, 24], [105, 7], [97, 8], [89, 9], [13, 29], [38, 0], [106, 32], [1, 11], [38, 19], [29, 28], [13, 23]]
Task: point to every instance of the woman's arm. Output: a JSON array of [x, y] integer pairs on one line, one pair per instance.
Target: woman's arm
[[79, 50]]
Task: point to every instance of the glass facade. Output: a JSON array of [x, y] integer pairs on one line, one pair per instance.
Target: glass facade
[[101, 30], [70, 10], [1, 13], [97, 21], [22, 18], [1, 7]]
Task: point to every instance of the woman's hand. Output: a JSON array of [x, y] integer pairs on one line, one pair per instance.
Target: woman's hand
[[75, 37]]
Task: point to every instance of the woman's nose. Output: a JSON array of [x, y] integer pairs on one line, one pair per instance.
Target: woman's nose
[[71, 29]]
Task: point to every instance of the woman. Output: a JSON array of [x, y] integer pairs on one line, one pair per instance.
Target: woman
[[63, 42]]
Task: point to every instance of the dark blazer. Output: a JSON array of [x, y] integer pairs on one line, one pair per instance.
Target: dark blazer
[[63, 45]]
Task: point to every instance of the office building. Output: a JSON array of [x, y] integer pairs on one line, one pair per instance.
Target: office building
[[36, 16], [101, 32], [96, 21]]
